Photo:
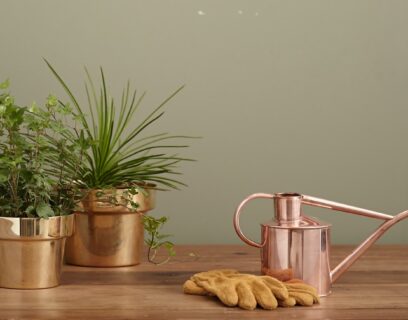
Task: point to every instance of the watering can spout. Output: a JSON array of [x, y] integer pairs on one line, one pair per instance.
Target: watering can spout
[[362, 248]]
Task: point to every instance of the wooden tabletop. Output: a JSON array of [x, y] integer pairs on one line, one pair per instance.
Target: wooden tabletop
[[376, 287]]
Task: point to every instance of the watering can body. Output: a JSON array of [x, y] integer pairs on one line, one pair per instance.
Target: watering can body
[[297, 246], [297, 252]]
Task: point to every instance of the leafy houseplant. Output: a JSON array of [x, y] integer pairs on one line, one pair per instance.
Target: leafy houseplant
[[36, 197], [122, 170]]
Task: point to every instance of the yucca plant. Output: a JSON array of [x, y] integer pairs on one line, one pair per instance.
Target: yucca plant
[[121, 154]]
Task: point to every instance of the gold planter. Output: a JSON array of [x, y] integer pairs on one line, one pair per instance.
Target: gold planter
[[108, 235], [32, 251]]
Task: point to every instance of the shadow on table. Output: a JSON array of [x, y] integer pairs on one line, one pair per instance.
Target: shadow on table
[[124, 278]]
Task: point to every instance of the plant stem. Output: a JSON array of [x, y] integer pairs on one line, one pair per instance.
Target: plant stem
[[13, 182], [151, 256]]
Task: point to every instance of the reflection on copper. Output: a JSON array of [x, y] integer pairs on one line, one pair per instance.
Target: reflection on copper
[[107, 234]]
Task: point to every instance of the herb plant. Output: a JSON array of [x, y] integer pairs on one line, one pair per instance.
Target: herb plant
[[37, 155]]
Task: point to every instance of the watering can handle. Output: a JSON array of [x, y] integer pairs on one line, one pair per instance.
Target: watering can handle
[[238, 213]]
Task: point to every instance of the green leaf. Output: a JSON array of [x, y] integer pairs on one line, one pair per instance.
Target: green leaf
[[52, 101], [5, 84], [44, 211], [30, 211], [3, 175], [34, 108], [9, 100]]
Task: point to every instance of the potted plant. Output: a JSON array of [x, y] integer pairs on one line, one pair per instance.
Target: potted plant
[[37, 198], [121, 173]]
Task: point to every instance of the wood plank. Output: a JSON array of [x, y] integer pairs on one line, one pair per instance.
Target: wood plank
[[376, 287]]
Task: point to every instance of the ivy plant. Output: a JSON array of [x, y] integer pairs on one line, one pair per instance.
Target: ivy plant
[[38, 157]]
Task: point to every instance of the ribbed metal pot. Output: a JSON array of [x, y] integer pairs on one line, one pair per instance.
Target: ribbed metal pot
[[108, 235], [32, 251]]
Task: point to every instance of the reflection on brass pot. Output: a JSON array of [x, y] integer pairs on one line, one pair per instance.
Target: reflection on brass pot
[[108, 235], [100, 200], [32, 251]]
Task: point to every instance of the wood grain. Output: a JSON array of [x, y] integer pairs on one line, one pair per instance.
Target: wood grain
[[376, 287]]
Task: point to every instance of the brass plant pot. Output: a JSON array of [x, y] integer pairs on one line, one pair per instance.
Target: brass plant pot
[[108, 235], [32, 251]]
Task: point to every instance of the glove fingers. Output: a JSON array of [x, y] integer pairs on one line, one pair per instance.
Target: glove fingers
[[215, 273], [303, 299], [246, 299], [228, 295], [190, 287], [301, 286], [228, 271], [294, 280], [206, 284], [263, 295], [304, 288], [278, 288], [272, 281], [315, 297], [289, 302], [224, 291]]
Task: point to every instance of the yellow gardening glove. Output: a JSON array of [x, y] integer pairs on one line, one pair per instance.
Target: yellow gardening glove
[[190, 287], [234, 288], [299, 293]]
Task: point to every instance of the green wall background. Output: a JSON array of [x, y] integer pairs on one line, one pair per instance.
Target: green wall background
[[305, 96]]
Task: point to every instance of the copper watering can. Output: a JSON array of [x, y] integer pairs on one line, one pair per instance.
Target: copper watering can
[[296, 246]]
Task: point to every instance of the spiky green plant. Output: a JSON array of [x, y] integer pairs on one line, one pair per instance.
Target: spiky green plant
[[120, 155]]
